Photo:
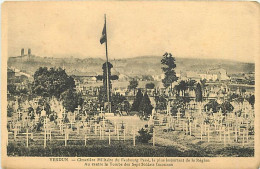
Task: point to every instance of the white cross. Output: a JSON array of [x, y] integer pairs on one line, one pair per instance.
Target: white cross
[[78, 108]]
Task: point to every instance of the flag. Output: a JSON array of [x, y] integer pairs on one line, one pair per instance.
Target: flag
[[104, 36]]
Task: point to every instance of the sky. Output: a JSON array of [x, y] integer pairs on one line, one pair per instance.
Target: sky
[[227, 30]]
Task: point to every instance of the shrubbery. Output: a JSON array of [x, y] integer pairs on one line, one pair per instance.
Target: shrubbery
[[144, 136]]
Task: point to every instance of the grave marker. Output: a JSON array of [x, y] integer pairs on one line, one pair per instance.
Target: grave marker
[[134, 136], [153, 136], [109, 141]]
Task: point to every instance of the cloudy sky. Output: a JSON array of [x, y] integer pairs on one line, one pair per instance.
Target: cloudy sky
[[228, 30]]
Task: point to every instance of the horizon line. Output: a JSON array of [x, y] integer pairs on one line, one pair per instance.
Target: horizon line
[[134, 57]]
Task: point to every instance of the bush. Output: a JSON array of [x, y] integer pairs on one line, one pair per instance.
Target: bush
[[144, 137], [149, 86]]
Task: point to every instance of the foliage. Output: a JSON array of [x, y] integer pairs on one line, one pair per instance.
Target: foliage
[[31, 113], [144, 136], [243, 90], [147, 78], [161, 102], [71, 100], [183, 100], [102, 96], [251, 100], [11, 88], [137, 100], [198, 93], [51, 82], [149, 86], [182, 86], [145, 107], [179, 103], [133, 85], [39, 126], [52, 118], [236, 97], [43, 103], [120, 103], [191, 84], [212, 105], [32, 116], [169, 65], [126, 106], [10, 111], [38, 110], [226, 107]]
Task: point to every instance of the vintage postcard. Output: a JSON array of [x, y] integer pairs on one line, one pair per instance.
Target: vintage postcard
[[132, 84]]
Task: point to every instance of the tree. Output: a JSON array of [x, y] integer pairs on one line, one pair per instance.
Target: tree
[[10, 111], [168, 67], [11, 88], [198, 93], [43, 104], [52, 118], [51, 82], [226, 107], [251, 100], [133, 85], [145, 107], [137, 101], [236, 97], [212, 104], [179, 103], [71, 100], [161, 102], [191, 84], [117, 102], [126, 106], [149, 85], [182, 86]]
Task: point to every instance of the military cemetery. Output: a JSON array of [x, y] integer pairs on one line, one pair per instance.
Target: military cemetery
[[138, 107]]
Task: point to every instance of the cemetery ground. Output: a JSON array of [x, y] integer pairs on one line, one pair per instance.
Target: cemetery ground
[[196, 133], [166, 144]]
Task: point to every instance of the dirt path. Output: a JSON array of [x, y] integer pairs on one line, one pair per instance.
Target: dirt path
[[168, 142]]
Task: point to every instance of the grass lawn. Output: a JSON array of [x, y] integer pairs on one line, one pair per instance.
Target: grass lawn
[[119, 149]]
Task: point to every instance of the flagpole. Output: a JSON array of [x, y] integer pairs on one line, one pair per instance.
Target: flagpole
[[108, 87]]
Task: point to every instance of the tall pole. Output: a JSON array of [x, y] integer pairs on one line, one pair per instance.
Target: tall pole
[[108, 87]]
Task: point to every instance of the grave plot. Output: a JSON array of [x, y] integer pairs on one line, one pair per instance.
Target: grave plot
[[206, 128]]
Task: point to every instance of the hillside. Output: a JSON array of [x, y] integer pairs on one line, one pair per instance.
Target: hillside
[[146, 65]]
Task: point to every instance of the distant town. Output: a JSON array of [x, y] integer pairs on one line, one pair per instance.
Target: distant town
[[24, 66]]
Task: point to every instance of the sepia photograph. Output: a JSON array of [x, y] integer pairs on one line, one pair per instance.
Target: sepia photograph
[[130, 79]]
